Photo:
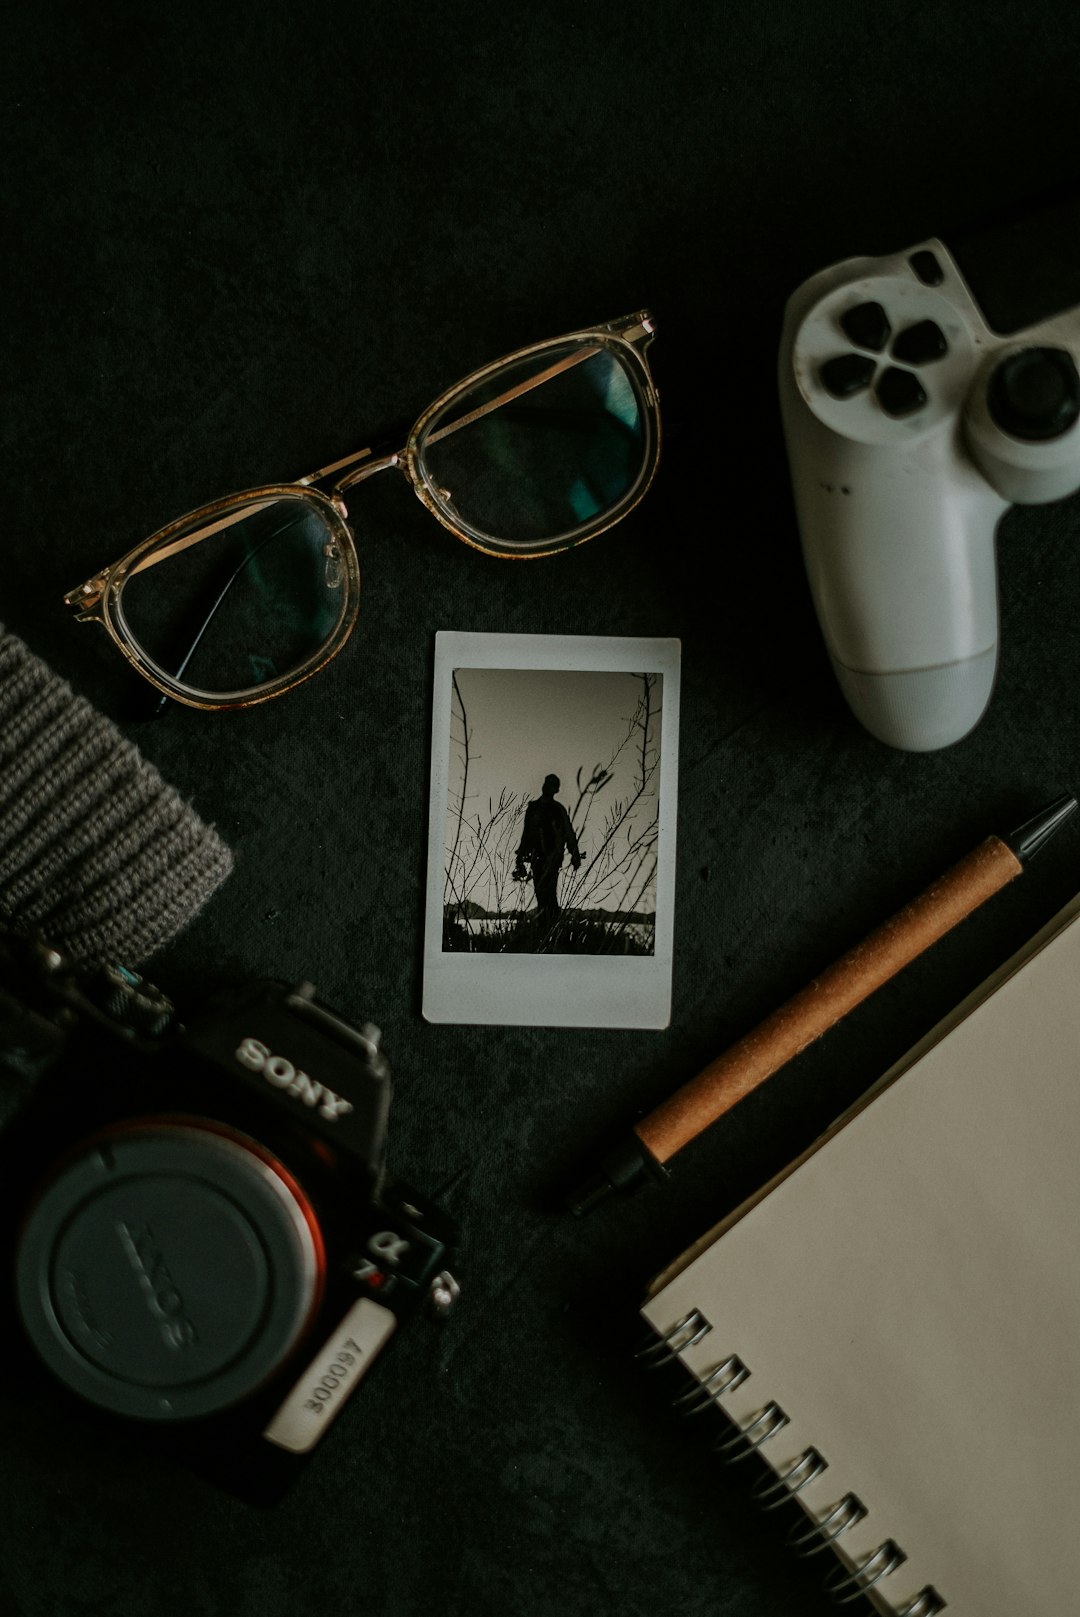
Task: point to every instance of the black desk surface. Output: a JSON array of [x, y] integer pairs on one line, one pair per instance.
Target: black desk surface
[[239, 240]]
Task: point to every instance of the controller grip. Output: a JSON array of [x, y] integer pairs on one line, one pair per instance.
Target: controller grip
[[921, 709], [900, 556]]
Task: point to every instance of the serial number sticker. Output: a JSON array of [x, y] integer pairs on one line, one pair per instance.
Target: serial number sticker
[[321, 1391]]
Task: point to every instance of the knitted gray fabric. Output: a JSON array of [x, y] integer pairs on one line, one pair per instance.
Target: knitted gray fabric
[[97, 853]]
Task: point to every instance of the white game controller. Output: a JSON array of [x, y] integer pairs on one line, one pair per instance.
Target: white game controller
[[911, 427]]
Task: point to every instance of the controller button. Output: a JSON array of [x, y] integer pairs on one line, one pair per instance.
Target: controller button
[[899, 392], [918, 345], [867, 325], [927, 268], [1035, 394], [847, 374]]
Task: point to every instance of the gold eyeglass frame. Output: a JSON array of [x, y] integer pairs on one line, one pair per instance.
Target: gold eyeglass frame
[[99, 599]]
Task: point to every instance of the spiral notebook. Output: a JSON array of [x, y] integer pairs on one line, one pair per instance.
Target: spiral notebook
[[894, 1322]]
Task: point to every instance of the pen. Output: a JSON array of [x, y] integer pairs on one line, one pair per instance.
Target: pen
[[651, 1143]]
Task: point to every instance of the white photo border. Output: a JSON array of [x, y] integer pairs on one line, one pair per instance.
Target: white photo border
[[528, 990]]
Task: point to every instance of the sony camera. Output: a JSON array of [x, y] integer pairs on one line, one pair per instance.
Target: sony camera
[[206, 1245]]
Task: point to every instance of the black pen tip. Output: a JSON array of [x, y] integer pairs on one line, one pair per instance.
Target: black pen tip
[[589, 1194], [1035, 833], [626, 1168]]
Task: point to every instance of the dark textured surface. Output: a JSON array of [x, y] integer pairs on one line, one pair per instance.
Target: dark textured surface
[[239, 241]]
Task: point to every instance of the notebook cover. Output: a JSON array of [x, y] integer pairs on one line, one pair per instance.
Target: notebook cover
[[908, 1294]]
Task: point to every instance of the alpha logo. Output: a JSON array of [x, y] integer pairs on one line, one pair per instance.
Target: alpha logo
[[158, 1287], [256, 1057]]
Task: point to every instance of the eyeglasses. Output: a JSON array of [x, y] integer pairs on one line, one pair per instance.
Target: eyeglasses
[[242, 599]]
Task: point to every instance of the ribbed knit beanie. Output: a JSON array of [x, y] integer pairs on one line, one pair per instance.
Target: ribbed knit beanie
[[97, 853]]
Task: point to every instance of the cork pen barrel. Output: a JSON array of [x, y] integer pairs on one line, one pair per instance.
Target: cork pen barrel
[[815, 1009]]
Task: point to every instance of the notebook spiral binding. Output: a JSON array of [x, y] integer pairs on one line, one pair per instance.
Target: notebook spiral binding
[[773, 1492]]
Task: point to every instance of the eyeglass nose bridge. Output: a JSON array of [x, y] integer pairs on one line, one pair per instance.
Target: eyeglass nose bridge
[[368, 469]]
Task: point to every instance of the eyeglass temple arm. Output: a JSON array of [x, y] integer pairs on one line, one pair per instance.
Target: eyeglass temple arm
[[641, 328], [363, 471], [87, 593]]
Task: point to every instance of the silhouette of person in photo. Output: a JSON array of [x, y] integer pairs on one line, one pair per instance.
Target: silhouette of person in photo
[[545, 839]]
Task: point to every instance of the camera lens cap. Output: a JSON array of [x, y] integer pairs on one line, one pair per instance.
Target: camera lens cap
[[167, 1268]]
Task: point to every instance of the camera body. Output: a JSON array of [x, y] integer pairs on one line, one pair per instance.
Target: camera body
[[205, 1243]]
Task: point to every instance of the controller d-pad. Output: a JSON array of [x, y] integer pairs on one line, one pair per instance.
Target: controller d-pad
[[882, 356], [899, 392], [920, 344], [867, 326], [847, 374]]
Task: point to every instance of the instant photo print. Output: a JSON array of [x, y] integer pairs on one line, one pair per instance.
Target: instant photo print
[[551, 843]]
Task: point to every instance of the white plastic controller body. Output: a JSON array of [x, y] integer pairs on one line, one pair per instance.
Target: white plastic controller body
[[907, 443]]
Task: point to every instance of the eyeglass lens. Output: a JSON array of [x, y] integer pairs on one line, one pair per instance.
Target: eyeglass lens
[[566, 444], [241, 600]]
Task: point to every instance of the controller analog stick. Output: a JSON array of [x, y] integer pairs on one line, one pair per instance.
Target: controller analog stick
[[1035, 394]]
